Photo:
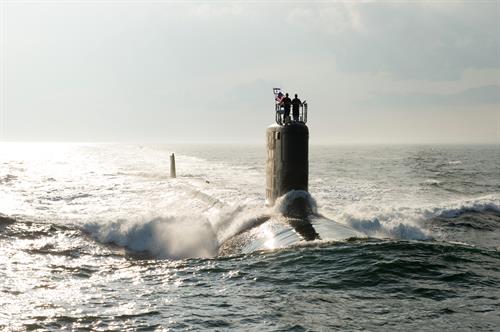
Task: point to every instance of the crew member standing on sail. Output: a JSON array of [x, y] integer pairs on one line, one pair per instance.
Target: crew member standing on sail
[[295, 108], [286, 102]]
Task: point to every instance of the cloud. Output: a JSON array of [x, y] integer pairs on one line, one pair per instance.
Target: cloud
[[334, 19], [483, 95], [409, 40]]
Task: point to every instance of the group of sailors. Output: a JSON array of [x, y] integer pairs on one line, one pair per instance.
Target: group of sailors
[[286, 103]]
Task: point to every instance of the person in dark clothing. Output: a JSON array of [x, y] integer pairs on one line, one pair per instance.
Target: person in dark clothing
[[295, 108], [286, 102]]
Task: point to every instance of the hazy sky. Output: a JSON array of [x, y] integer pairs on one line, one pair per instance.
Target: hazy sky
[[193, 71]]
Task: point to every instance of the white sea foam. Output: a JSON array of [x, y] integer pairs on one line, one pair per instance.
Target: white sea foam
[[176, 238], [453, 209], [385, 223], [180, 236], [284, 204], [410, 223], [431, 182]]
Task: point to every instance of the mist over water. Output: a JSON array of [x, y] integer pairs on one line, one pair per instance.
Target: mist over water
[[97, 236]]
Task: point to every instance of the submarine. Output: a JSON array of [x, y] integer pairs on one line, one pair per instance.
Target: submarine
[[294, 220]]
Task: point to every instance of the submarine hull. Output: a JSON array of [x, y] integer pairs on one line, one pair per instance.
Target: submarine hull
[[282, 232]]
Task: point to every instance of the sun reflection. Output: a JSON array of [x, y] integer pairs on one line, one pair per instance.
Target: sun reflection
[[34, 150], [268, 235]]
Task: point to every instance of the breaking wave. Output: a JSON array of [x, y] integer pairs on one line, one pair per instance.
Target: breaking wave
[[166, 237], [479, 205], [412, 223], [180, 236]]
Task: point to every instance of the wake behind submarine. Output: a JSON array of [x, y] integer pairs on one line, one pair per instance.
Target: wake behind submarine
[[287, 179]]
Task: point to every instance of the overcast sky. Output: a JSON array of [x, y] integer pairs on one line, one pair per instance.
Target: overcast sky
[[163, 71]]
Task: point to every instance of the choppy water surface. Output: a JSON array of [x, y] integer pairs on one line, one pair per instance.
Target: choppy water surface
[[99, 237]]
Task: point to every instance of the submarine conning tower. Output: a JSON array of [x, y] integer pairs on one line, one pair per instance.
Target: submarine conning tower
[[287, 165]]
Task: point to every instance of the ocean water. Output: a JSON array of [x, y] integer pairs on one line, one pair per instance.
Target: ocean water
[[98, 237]]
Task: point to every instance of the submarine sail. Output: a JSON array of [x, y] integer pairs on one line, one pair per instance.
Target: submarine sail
[[287, 166]]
